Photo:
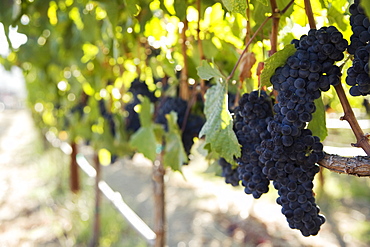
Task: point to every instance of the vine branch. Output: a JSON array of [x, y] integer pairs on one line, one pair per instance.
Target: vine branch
[[309, 14], [358, 166], [159, 202], [275, 26], [200, 48], [349, 116], [184, 89]]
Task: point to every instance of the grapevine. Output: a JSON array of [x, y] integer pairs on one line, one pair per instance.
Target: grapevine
[[92, 69]]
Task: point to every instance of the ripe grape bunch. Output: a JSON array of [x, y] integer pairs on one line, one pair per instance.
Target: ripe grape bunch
[[251, 118], [290, 155], [193, 124], [280, 147], [358, 74]]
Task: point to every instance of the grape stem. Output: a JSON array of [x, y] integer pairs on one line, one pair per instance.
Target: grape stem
[[349, 116]]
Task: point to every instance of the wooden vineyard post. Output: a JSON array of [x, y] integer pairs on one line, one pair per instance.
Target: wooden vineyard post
[[74, 176], [159, 203], [96, 223]]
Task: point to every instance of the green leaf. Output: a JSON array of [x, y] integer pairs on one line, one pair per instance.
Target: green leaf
[[145, 138], [218, 128], [144, 141], [174, 155], [131, 6], [206, 71], [264, 2], [366, 6], [145, 114], [318, 122], [237, 6], [335, 16], [180, 8], [112, 9], [323, 4], [276, 60], [259, 15]]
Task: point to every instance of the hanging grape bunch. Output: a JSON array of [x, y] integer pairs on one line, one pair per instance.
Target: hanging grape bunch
[[280, 147], [358, 74], [250, 126], [292, 152]]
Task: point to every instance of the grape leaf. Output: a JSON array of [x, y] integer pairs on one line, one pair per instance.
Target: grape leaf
[[264, 2], [335, 16], [318, 122], [145, 114], [206, 71], [218, 128], [131, 6], [174, 155], [180, 8], [276, 60], [144, 139], [238, 6], [366, 6]]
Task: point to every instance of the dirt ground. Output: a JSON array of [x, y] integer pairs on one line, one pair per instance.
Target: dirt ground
[[23, 222], [201, 209]]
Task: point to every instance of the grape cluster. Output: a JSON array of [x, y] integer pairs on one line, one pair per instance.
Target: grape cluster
[[291, 154], [230, 174], [360, 26], [168, 104], [358, 74], [137, 88], [250, 125], [193, 125]]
